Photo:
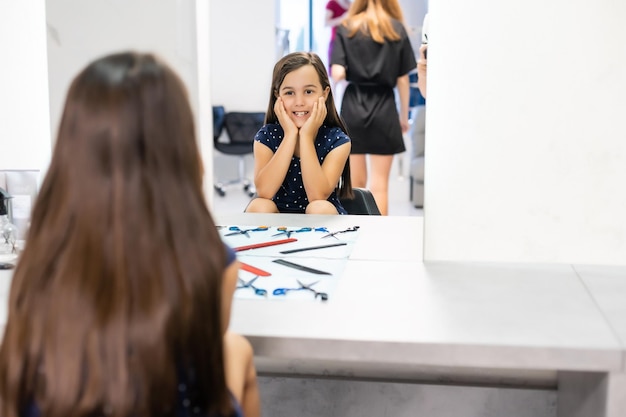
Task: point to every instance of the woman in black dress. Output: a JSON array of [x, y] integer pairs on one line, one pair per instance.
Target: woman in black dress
[[373, 53]]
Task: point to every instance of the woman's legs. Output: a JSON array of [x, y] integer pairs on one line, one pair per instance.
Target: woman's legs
[[379, 180], [358, 170]]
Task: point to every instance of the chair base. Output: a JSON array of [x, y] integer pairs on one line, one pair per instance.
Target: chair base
[[248, 188], [416, 192]]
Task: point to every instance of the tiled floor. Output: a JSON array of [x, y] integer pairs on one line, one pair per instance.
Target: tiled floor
[[236, 199]]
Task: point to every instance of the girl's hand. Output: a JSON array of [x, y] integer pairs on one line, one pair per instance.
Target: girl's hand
[[313, 123], [423, 52], [422, 70], [289, 127], [404, 124]]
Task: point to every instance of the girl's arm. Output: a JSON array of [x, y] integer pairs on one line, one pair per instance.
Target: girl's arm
[[403, 86], [319, 180], [241, 373], [320, 186], [270, 168], [239, 367]]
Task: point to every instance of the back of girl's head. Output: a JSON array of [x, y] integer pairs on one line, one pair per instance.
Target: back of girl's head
[[292, 62], [118, 287], [126, 115]]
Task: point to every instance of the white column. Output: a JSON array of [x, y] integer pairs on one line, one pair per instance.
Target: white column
[[525, 149], [24, 113]]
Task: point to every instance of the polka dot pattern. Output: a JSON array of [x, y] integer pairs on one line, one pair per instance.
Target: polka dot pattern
[[291, 197], [186, 409]]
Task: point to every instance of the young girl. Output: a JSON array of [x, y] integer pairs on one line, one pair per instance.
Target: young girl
[[301, 153]]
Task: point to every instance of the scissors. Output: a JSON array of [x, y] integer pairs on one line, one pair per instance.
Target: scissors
[[349, 229], [248, 284], [237, 231], [282, 230], [308, 287]]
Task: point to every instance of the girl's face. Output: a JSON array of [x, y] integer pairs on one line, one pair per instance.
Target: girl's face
[[299, 90]]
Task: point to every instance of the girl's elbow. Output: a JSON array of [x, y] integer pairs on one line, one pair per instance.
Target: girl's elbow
[[264, 193], [265, 190], [322, 194]]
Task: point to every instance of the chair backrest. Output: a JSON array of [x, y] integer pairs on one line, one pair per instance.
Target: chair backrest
[[243, 126], [362, 203], [218, 121]]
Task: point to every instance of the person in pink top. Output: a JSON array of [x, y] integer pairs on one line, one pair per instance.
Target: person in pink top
[[335, 11]]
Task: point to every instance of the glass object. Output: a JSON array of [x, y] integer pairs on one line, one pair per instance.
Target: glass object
[[8, 231]]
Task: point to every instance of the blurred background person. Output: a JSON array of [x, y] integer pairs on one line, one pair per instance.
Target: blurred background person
[[335, 12], [373, 53]]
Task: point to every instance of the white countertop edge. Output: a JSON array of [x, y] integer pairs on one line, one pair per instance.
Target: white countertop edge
[[390, 354], [407, 373]]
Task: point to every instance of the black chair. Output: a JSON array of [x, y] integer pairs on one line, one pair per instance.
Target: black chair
[[218, 121], [362, 203], [241, 127]]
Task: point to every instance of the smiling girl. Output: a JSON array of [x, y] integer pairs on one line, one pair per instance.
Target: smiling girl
[[301, 153]]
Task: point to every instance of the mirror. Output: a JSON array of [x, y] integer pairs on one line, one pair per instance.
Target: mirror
[[299, 25], [239, 64]]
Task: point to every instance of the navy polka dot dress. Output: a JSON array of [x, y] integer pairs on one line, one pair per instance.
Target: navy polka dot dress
[[291, 197]]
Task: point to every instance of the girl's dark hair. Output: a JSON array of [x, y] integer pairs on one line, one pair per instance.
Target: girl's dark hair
[[117, 296], [292, 62]]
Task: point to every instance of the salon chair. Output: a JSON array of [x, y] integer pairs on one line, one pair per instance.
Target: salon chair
[[240, 128], [362, 203]]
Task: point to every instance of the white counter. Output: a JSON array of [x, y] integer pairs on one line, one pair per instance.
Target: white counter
[[393, 317]]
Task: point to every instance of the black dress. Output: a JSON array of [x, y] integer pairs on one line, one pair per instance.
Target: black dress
[[368, 107]]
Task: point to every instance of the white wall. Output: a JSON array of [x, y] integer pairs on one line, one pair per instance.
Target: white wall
[[242, 53], [24, 117], [234, 70], [414, 11], [80, 31], [526, 147]]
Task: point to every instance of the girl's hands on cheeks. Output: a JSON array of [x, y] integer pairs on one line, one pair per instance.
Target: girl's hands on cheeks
[[289, 127], [313, 123]]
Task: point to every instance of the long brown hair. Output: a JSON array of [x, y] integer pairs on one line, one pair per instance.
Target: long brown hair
[[292, 62], [373, 18], [117, 296]]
